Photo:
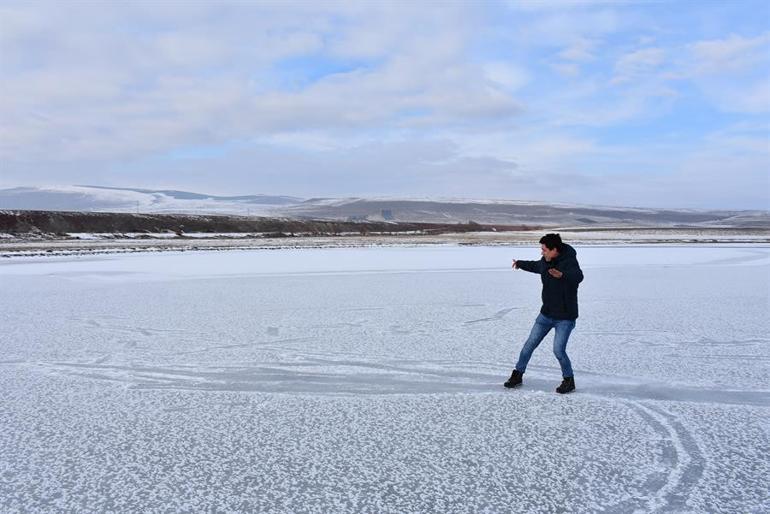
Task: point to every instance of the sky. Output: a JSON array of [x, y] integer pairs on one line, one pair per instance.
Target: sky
[[630, 103]]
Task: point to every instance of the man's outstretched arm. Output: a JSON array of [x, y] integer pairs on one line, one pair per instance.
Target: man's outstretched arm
[[531, 266]]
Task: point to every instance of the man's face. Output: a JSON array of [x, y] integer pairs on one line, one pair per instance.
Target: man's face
[[548, 253]]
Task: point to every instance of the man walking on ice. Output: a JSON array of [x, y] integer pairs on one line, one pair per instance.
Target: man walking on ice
[[560, 273]]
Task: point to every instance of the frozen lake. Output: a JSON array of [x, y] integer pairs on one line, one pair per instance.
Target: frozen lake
[[370, 380]]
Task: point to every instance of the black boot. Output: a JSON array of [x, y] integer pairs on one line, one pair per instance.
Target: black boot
[[567, 385], [515, 379]]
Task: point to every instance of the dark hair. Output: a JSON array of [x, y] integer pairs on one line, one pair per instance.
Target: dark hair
[[551, 241]]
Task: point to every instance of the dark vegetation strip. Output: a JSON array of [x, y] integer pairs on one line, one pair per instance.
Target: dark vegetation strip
[[64, 222]]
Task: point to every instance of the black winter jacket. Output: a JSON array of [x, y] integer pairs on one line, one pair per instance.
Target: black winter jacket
[[559, 294]]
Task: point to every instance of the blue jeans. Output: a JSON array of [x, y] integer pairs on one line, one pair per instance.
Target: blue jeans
[[543, 325]]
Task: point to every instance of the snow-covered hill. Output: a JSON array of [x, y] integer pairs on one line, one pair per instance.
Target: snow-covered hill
[[110, 199], [427, 210], [510, 212]]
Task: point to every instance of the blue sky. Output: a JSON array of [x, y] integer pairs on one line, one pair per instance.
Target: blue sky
[[659, 104]]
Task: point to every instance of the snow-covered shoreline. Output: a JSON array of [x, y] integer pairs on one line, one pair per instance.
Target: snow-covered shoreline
[[101, 244]]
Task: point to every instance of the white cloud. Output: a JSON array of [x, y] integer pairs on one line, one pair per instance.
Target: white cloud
[[746, 138], [506, 75], [565, 28], [566, 69], [356, 97], [732, 54], [753, 98], [414, 167], [559, 5], [172, 83], [733, 73], [638, 64], [579, 51]]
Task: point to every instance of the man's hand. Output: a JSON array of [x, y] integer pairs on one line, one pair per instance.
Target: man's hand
[[514, 264], [555, 273]]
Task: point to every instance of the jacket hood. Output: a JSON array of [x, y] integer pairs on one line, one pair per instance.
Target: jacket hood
[[567, 251]]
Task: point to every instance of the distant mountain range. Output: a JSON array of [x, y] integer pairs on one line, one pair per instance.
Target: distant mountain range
[[115, 199], [501, 212]]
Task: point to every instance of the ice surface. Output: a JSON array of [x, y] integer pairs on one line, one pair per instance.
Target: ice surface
[[369, 380]]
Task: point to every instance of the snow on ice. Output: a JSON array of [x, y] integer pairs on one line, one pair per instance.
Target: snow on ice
[[370, 380]]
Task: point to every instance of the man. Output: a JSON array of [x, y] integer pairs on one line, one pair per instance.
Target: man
[[560, 273]]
